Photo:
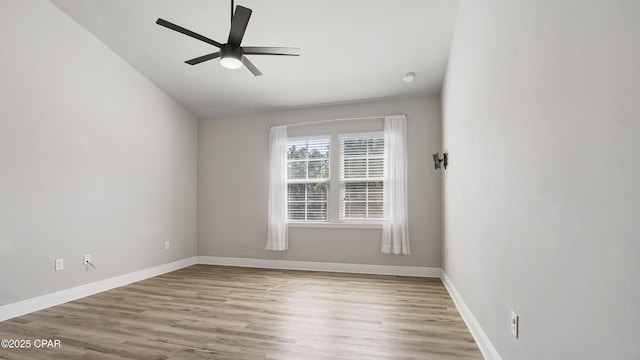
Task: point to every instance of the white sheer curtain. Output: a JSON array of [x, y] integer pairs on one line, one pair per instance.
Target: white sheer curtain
[[277, 237], [395, 228]]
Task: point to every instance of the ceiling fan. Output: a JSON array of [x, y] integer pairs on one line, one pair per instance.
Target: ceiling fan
[[231, 54]]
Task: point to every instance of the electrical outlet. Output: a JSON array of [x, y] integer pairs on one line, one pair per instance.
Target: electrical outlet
[[87, 259], [59, 264], [514, 324], [167, 245]]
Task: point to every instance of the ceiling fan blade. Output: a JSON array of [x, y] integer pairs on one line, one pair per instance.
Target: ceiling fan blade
[[239, 25], [262, 50], [254, 70], [203, 58], [182, 30]]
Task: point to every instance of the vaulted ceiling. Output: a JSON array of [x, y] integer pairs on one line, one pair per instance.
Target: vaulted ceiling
[[351, 50]]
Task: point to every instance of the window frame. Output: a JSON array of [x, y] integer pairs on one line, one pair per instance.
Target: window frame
[[334, 203], [308, 180], [343, 181]]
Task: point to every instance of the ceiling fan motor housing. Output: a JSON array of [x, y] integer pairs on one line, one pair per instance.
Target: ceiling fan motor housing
[[228, 51]]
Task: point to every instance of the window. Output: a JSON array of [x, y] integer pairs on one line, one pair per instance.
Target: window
[[361, 176], [361, 181], [370, 191], [308, 179]]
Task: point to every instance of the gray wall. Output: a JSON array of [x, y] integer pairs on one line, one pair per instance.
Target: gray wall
[[541, 205], [234, 175], [93, 159]]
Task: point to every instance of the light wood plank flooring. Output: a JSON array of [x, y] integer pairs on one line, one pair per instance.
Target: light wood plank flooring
[[217, 312]]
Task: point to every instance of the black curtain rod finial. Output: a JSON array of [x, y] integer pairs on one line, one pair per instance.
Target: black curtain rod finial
[[439, 162]]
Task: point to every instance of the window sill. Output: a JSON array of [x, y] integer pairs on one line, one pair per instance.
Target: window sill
[[342, 225]]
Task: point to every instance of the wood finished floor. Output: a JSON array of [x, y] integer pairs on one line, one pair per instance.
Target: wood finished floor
[[216, 312]]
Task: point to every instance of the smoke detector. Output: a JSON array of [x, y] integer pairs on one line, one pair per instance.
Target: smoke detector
[[408, 77]]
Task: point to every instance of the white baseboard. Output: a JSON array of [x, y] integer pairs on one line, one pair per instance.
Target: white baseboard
[[486, 347], [419, 271], [63, 296]]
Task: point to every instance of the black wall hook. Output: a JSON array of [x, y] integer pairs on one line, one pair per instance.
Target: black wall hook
[[439, 161]]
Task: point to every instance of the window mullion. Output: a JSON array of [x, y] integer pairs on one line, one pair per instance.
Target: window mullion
[[306, 202], [335, 201], [366, 199], [366, 185]]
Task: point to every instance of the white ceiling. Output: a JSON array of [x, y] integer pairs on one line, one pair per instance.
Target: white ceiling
[[351, 50]]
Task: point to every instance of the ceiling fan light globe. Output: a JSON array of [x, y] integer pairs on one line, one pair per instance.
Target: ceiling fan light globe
[[230, 62]]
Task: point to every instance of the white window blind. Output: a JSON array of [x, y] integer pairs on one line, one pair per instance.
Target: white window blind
[[308, 179], [361, 176]]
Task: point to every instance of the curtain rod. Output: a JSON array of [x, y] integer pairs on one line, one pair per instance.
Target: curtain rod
[[335, 120]]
